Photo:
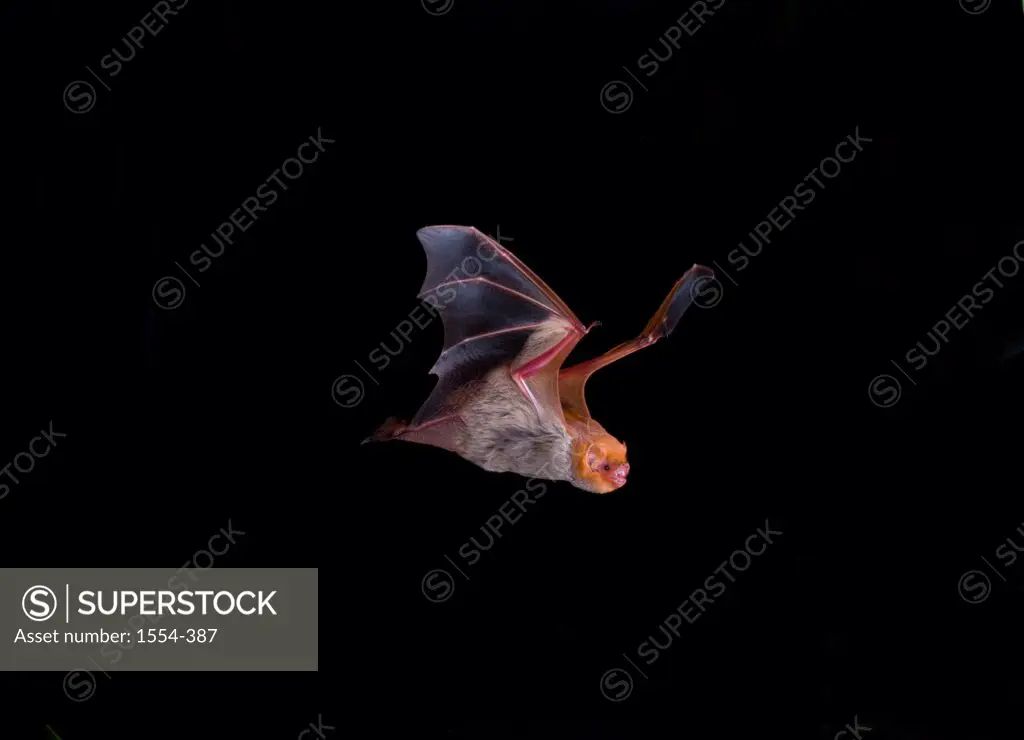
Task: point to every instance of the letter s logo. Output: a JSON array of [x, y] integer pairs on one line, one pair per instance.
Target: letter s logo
[[43, 602], [438, 592]]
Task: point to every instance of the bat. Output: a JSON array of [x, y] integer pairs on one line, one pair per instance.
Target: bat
[[503, 400]]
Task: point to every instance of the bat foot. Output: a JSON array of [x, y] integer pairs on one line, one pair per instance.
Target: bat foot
[[388, 430]]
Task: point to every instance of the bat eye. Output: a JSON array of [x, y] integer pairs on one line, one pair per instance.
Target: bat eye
[[606, 466]]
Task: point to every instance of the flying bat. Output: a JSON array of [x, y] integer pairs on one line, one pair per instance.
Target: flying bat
[[503, 400]]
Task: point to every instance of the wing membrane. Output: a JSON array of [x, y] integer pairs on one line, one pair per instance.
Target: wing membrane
[[492, 305], [571, 381]]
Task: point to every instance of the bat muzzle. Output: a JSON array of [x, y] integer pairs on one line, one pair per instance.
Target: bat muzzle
[[620, 473]]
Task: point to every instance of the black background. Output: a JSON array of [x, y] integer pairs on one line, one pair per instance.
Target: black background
[[758, 408]]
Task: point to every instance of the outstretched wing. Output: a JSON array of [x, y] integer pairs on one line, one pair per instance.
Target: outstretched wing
[[493, 308], [572, 380]]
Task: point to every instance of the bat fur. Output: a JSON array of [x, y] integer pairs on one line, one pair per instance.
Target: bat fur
[[506, 404], [504, 432]]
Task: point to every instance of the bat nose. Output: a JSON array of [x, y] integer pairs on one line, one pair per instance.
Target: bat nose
[[624, 469]]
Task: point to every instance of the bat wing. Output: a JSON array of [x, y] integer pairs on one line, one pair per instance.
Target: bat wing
[[493, 308], [573, 379]]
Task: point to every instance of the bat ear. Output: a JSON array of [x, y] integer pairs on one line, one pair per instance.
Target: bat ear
[[591, 454]]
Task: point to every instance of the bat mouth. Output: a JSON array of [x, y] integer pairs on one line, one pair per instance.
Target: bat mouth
[[618, 475]]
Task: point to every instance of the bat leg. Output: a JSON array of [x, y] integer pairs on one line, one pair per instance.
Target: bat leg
[[442, 432], [532, 367], [388, 430], [521, 382]]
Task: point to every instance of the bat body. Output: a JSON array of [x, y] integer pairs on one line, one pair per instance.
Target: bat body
[[503, 400]]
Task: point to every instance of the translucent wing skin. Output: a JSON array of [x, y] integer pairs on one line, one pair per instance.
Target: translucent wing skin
[[572, 380], [493, 308]]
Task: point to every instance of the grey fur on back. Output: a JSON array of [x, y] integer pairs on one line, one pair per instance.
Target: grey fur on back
[[504, 432]]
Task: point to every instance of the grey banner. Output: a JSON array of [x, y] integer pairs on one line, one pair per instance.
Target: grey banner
[[159, 619]]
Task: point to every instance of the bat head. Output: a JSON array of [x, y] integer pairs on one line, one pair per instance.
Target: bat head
[[601, 466]]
